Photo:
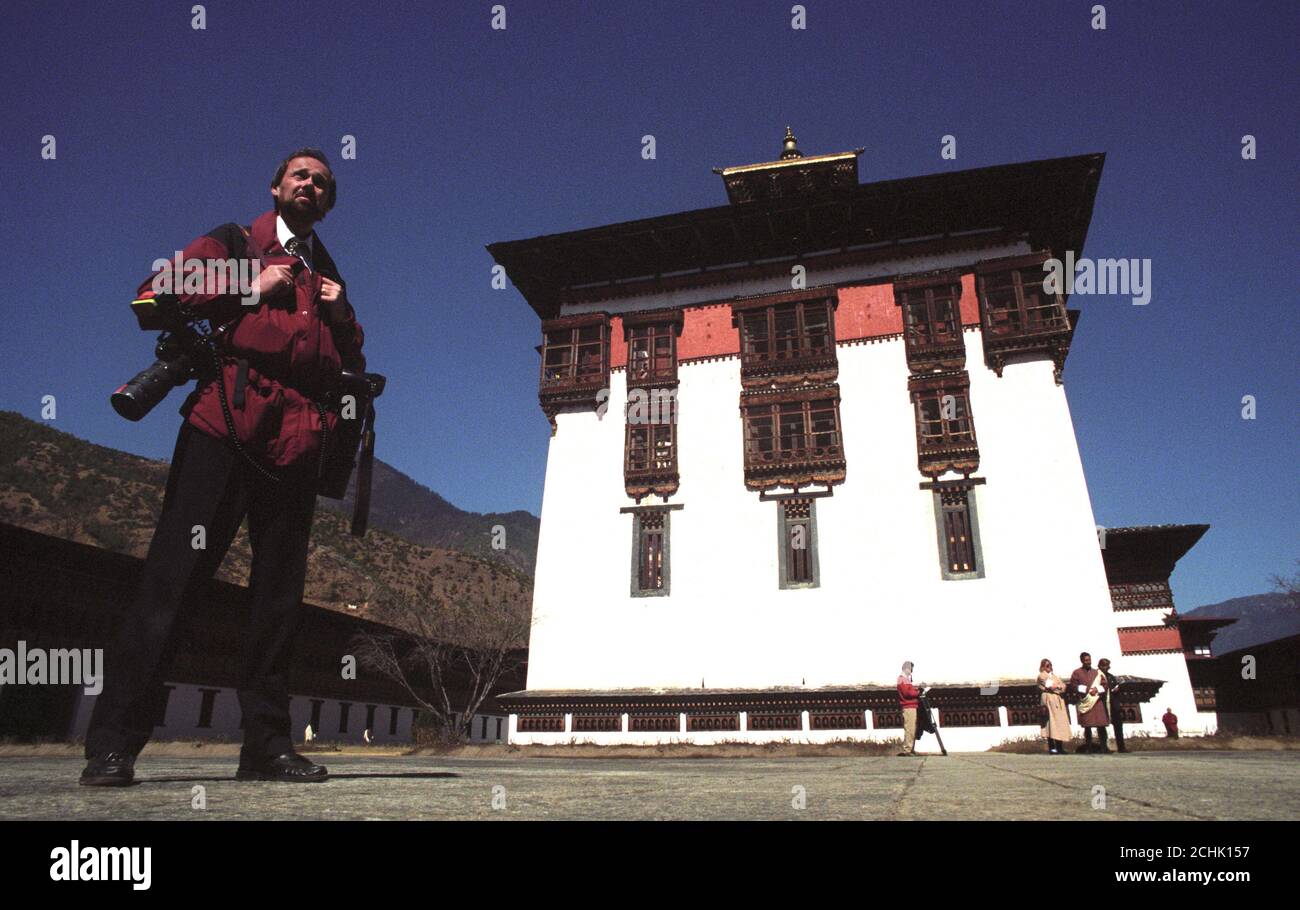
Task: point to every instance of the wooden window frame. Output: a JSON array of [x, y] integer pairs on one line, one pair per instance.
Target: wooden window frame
[[931, 342], [645, 331], [796, 572], [651, 468], [576, 381], [644, 530], [957, 498], [954, 447], [802, 360], [1022, 326], [1022, 317], [800, 458]]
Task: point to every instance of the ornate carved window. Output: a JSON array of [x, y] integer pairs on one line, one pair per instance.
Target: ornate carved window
[[650, 447], [787, 338], [652, 543], [654, 723], [702, 723], [650, 549], [1017, 316], [541, 723], [594, 723], [652, 348], [969, 717], [837, 720], [792, 438], [886, 718], [798, 543], [575, 362], [774, 720], [1207, 698], [932, 320], [958, 529], [945, 429], [1129, 713], [1155, 595]]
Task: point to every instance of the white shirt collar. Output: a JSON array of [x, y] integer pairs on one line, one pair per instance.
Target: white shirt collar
[[283, 234]]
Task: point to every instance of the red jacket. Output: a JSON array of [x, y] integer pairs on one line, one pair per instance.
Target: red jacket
[[908, 694], [294, 357]]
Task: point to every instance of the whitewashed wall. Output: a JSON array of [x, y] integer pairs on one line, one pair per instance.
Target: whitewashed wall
[[881, 598]]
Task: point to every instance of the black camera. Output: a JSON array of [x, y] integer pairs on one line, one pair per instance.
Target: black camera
[[179, 352]]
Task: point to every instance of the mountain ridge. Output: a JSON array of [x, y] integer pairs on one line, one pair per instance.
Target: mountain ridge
[[56, 483], [1260, 618]]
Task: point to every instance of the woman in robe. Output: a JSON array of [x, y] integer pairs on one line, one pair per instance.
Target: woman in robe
[[1056, 724]]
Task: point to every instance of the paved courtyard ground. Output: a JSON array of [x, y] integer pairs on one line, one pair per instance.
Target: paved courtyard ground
[[1178, 786]]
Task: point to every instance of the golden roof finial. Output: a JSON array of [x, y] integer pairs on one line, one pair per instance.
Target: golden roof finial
[[791, 147]]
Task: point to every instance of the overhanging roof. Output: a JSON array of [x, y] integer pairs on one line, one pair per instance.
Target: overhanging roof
[[1147, 553], [1048, 201]]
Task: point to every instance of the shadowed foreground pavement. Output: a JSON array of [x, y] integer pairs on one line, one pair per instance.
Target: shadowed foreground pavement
[[1176, 785]]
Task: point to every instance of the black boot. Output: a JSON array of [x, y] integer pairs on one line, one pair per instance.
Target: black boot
[[113, 769]]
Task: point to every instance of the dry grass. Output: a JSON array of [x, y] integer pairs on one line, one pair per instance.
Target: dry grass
[[838, 748], [835, 749], [1142, 743]]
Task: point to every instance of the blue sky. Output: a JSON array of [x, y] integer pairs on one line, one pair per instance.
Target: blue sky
[[466, 136]]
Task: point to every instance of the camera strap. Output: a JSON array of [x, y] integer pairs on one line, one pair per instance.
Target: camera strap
[[241, 365], [241, 375], [365, 470], [241, 384]]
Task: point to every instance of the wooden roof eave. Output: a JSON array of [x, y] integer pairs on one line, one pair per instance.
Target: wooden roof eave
[[1003, 195]]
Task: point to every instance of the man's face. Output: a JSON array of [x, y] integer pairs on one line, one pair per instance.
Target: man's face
[[303, 190], [1103, 666], [1087, 661]]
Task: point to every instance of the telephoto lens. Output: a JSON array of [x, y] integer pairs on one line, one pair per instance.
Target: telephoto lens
[[141, 394]]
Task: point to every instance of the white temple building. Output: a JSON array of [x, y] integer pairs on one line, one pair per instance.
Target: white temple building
[[805, 436]]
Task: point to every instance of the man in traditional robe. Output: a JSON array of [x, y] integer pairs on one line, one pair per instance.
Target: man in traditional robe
[[1112, 702], [1088, 687]]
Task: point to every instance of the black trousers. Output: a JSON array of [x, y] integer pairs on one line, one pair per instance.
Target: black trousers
[[1101, 736], [212, 486]]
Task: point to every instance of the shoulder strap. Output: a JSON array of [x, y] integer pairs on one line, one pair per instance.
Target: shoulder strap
[[228, 329]]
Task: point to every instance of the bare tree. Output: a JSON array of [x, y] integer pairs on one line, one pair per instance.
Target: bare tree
[[448, 655], [1288, 586]]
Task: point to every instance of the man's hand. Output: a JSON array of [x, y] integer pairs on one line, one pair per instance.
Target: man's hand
[[333, 302], [274, 280]]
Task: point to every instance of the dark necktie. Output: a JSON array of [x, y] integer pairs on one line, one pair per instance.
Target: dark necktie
[[300, 250]]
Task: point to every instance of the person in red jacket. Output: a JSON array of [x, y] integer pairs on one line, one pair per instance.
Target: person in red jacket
[[251, 444], [908, 700]]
